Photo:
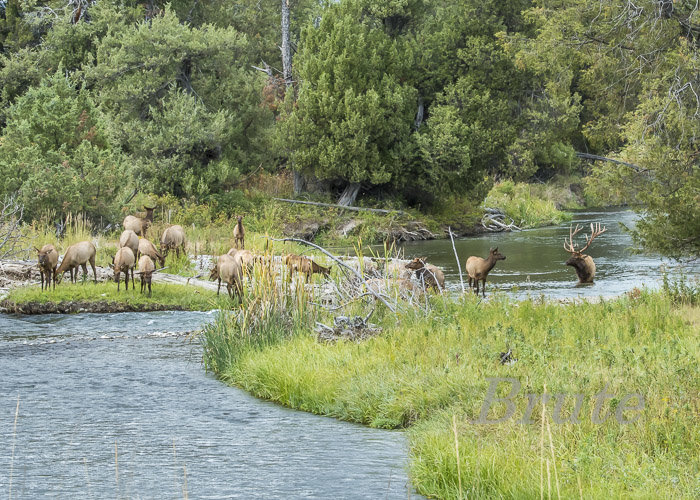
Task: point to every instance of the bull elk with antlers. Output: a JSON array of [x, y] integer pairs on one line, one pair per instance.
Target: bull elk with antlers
[[583, 264]]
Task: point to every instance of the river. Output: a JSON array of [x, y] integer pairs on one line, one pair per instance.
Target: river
[[118, 406], [534, 264]]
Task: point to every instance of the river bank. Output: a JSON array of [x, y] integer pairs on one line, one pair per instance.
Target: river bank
[[430, 371]]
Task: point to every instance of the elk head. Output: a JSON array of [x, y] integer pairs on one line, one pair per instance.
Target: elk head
[[582, 263]]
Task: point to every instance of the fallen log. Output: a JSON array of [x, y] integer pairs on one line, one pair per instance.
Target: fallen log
[[333, 205]]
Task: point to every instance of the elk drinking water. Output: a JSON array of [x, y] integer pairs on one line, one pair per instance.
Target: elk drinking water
[[582, 263], [478, 268]]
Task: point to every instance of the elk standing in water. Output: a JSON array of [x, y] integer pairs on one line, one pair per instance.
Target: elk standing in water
[[478, 268], [239, 233], [48, 260], [583, 264]]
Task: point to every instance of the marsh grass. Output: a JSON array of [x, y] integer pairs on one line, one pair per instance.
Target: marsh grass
[[187, 297], [426, 368]]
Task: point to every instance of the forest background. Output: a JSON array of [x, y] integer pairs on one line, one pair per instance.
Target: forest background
[[398, 104]]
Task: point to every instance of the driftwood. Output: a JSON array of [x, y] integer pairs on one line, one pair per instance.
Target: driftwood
[[332, 205], [495, 220], [459, 266]]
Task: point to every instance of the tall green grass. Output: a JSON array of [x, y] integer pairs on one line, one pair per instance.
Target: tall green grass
[[427, 370]]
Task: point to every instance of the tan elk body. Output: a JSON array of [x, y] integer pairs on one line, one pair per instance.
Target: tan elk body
[[124, 262], [173, 239], [583, 264], [48, 260], [76, 255], [478, 268], [239, 233], [146, 268], [129, 239], [146, 247], [228, 270], [244, 257], [139, 225], [427, 273], [301, 264]]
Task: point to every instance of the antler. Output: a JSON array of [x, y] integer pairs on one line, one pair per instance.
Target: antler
[[595, 231], [570, 246]]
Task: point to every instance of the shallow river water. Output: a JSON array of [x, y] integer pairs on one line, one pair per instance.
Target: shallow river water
[[535, 259], [118, 406]]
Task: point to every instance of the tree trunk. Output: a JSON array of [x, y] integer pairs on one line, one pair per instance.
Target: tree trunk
[[299, 183], [349, 194], [286, 46]]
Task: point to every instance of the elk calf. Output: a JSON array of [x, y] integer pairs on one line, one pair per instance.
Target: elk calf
[[48, 260], [427, 273], [478, 268], [582, 263], [239, 233], [124, 262], [78, 254], [229, 270], [146, 268], [173, 239]]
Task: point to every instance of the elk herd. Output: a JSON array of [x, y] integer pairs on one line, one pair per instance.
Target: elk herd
[[138, 255]]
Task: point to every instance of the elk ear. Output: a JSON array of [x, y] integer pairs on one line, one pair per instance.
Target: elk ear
[[495, 249], [37, 250]]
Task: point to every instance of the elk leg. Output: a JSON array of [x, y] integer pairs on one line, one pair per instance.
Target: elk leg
[[218, 287], [118, 282], [149, 288], [94, 272], [84, 266], [133, 285], [483, 287]]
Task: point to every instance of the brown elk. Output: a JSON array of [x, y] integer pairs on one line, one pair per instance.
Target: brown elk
[[146, 247], [582, 263], [129, 239], [229, 270], [78, 254], [478, 268], [426, 273], [245, 257], [146, 268], [301, 264], [239, 233], [48, 260], [124, 262], [173, 238], [139, 225]]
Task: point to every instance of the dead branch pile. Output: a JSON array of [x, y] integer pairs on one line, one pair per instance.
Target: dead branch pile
[[354, 328], [495, 220], [11, 212]]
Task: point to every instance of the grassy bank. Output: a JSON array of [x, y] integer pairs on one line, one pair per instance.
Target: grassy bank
[[429, 371], [167, 295], [532, 205]]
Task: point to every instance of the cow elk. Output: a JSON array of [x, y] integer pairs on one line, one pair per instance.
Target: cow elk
[[48, 260], [173, 239], [426, 273], [78, 254], [478, 268], [301, 264], [139, 225], [129, 239], [146, 269], [582, 263], [124, 262], [146, 247], [228, 269], [239, 233]]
